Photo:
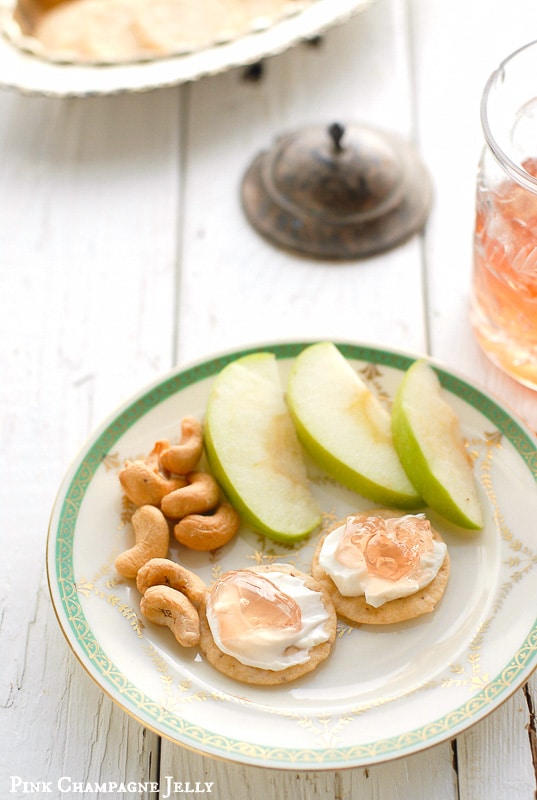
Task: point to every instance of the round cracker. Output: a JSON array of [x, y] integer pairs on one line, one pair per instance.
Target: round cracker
[[233, 668], [356, 610]]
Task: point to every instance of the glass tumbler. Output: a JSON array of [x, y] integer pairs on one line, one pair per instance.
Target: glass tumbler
[[504, 284]]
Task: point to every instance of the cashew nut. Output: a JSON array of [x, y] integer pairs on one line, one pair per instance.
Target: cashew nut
[[152, 539], [143, 485], [200, 495], [166, 606], [165, 572], [153, 459], [183, 458], [206, 532]]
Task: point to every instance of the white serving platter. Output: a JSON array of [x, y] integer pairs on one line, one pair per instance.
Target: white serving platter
[[24, 71]]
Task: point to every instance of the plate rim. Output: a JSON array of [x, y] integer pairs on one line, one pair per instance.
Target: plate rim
[[520, 666]]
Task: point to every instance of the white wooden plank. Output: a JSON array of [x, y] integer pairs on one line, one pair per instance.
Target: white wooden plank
[[359, 72], [426, 776], [450, 72], [88, 266], [494, 758]]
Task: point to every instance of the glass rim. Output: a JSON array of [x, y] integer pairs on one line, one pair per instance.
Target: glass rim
[[518, 173]]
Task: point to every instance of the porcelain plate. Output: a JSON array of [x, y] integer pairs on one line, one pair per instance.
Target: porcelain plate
[[383, 693]]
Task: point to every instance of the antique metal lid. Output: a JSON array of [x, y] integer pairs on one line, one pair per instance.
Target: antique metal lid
[[339, 192]]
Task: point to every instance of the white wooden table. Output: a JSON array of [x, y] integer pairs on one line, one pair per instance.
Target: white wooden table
[[124, 251]]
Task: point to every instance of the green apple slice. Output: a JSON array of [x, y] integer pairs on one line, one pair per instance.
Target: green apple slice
[[429, 441], [254, 452], [345, 428]]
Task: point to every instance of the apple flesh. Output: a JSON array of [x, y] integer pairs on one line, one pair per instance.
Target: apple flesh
[[254, 452], [345, 428], [429, 441]]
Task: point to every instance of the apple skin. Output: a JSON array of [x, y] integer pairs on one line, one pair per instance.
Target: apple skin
[[325, 394], [418, 399], [246, 404]]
